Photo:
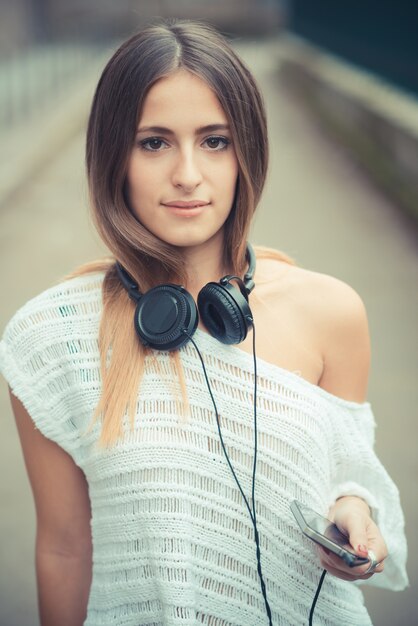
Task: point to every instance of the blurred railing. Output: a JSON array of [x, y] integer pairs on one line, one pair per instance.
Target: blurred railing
[[34, 77], [374, 120]]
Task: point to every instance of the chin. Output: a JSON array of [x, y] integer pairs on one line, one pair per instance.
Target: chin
[[191, 238], [186, 242]]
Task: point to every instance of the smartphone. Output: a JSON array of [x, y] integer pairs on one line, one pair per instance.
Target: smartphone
[[325, 533]]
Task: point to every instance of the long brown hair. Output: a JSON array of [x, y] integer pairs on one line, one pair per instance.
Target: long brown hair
[[154, 53]]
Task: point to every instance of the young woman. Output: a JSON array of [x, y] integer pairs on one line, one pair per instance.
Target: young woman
[[142, 410]]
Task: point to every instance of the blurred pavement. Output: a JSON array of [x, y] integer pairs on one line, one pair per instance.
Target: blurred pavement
[[318, 207]]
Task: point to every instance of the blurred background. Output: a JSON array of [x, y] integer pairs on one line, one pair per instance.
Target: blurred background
[[340, 82]]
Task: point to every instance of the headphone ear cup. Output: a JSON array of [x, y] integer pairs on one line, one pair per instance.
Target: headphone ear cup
[[225, 312], [163, 314]]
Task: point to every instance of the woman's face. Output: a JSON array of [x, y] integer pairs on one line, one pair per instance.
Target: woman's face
[[183, 170]]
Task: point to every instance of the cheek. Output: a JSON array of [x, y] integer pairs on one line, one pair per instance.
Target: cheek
[[223, 173], [141, 184]]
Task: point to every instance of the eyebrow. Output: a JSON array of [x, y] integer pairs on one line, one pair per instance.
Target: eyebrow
[[210, 128]]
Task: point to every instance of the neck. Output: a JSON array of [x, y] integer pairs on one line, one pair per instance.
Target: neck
[[204, 264]]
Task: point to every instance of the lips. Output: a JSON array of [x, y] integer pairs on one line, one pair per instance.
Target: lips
[[190, 204]]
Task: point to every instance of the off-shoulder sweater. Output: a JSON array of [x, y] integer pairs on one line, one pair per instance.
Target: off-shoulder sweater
[[173, 543]]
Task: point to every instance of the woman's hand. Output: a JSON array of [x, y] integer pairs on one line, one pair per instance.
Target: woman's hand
[[352, 516]]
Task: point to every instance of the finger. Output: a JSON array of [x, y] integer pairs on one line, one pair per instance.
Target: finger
[[372, 547], [378, 546], [358, 536], [336, 566], [361, 532], [338, 571], [377, 570], [374, 566], [334, 560], [334, 563], [350, 574]]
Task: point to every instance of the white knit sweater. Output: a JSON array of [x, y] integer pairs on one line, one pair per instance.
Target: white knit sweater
[[173, 541]]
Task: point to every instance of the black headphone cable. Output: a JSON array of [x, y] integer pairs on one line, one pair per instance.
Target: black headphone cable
[[252, 512], [318, 589]]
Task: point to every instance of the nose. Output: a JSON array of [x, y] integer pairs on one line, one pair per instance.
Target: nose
[[186, 171]]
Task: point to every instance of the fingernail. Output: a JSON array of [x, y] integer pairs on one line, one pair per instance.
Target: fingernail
[[362, 550]]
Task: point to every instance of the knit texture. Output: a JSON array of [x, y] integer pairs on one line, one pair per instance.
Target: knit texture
[[173, 540]]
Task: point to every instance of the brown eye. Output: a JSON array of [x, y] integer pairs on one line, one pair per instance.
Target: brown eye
[[217, 143], [152, 144]]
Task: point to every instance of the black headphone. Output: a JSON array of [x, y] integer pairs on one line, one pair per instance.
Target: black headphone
[[166, 316]]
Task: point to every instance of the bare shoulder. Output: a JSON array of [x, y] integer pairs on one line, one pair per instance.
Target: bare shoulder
[[332, 317], [327, 295], [331, 298], [341, 329]]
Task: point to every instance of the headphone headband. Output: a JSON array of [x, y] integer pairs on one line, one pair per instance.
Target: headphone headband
[[128, 282], [249, 283], [132, 288]]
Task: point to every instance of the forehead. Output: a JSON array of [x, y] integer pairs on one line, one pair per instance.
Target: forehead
[[181, 99]]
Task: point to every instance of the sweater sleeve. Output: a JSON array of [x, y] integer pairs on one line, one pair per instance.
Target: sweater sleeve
[[357, 471], [45, 359]]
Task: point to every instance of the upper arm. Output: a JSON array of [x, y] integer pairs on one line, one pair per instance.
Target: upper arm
[[59, 488], [345, 343]]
